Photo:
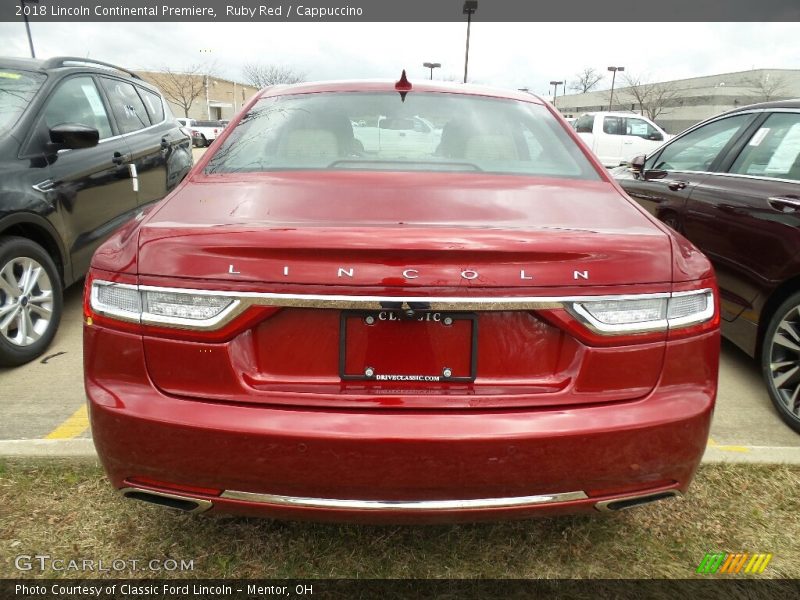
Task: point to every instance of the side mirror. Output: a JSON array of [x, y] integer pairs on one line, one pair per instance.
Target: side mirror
[[637, 163], [655, 137], [73, 136]]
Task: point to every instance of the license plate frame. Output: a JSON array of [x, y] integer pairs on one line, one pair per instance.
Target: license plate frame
[[363, 314]]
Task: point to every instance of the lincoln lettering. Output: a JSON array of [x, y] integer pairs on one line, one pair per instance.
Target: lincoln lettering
[[468, 274]]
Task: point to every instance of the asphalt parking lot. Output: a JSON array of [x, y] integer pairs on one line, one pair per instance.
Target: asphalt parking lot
[[45, 399]]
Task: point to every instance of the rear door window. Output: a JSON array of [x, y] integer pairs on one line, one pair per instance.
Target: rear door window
[[128, 108], [614, 125], [774, 150], [153, 104]]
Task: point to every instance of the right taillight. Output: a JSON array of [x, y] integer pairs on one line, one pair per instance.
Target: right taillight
[[638, 315], [689, 310]]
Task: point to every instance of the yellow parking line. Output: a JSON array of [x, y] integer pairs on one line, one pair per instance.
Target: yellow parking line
[[713, 444], [75, 425]]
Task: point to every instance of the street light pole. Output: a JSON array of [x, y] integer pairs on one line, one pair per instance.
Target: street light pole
[[431, 66], [205, 81], [555, 85], [613, 77], [470, 6], [27, 24]]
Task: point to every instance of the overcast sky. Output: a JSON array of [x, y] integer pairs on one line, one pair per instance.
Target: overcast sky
[[501, 54]]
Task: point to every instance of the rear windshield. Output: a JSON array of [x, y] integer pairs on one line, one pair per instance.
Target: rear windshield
[[17, 89], [207, 124], [384, 131]]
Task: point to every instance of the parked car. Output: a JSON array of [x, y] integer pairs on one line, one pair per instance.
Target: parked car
[[204, 132], [401, 134], [616, 137], [731, 185], [84, 146], [316, 328]]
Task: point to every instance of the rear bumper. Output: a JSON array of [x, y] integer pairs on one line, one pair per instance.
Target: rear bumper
[[397, 466]]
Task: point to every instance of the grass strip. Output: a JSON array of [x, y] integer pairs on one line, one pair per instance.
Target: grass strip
[[67, 510]]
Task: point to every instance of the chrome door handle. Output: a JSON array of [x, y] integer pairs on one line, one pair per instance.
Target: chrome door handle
[[676, 185], [785, 203]]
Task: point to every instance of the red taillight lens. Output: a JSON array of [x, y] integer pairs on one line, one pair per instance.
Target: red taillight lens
[[91, 313], [176, 313], [688, 310]]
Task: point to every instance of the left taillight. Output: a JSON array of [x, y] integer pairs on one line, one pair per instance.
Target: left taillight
[[175, 313], [158, 307]]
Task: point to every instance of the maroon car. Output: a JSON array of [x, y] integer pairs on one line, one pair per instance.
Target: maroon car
[[731, 185], [392, 302]]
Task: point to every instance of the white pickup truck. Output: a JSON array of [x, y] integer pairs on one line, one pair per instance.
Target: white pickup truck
[[617, 137], [203, 132]]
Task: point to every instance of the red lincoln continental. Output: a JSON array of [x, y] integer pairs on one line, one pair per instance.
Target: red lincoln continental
[[396, 302]]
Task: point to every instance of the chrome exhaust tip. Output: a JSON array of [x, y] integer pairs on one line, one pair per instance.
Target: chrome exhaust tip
[[624, 502], [182, 503]]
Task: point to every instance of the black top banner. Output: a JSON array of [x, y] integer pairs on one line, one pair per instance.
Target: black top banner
[[400, 10]]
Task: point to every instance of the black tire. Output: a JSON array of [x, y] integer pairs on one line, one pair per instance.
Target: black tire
[[780, 361], [204, 144], [15, 252]]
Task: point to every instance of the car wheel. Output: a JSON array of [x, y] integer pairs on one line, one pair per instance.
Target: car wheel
[[30, 300], [780, 361], [204, 144]]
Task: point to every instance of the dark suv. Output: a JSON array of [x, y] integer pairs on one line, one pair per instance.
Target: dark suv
[[84, 146], [731, 185]]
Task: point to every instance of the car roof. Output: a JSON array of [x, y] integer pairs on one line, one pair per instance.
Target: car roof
[[793, 103], [68, 64], [613, 113], [23, 64], [386, 85]]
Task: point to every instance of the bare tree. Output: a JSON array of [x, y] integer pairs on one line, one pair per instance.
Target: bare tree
[[586, 80], [653, 98], [182, 87], [260, 75], [767, 87]]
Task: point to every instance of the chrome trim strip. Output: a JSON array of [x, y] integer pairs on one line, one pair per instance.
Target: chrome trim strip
[[44, 186], [403, 505], [202, 504], [602, 506], [332, 300], [758, 177]]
